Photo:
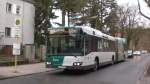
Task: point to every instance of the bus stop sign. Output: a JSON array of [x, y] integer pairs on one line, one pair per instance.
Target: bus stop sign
[[16, 49]]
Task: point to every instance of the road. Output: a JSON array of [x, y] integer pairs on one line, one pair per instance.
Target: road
[[128, 72]]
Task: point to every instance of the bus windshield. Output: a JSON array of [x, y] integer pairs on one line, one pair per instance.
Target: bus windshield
[[66, 45]]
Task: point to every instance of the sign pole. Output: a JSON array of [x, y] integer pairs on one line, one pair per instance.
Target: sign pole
[[16, 58], [16, 33], [16, 64]]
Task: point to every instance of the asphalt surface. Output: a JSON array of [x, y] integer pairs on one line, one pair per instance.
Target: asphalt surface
[[128, 72]]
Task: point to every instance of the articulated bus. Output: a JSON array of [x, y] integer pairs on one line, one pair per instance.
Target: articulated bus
[[82, 48]]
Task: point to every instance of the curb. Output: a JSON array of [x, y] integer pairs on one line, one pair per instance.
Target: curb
[[10, 77]]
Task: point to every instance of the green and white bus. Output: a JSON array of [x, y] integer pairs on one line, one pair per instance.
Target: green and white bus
[[82, 48]]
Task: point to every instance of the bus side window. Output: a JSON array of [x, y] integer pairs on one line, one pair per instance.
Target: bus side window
[[87, 44], [100, 45], [105, 43]]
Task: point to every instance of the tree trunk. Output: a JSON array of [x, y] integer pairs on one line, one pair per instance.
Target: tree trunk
[[63, 17], [68, 19]]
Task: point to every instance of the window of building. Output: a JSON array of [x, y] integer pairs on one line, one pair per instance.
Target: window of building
[[9, 7], [18, 10], [13, 8], [8, 32]]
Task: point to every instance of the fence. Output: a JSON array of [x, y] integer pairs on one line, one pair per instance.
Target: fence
[[29, 53]]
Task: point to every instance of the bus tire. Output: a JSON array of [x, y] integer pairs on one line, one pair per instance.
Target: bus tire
[[96, 65], [66, 70], [113, 60]]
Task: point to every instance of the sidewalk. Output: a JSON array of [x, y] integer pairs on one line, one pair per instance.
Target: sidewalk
[[145, 79], [147, 75], [8, 72]]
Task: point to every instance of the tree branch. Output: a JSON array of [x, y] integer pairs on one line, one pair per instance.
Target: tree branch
[[141, 11]]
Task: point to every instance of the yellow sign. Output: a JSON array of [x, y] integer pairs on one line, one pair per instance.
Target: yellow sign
[[18, 22]]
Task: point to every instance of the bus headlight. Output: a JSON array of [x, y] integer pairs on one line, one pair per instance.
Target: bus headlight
[[77, 63], [48, 62]]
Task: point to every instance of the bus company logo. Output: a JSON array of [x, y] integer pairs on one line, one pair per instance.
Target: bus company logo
[[55, 60]]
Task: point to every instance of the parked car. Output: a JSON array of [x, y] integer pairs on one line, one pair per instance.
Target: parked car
[[143, 51], [137, 53], [130, 53]]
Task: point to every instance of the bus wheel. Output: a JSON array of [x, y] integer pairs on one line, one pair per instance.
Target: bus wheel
[[113, 60], [96, 65]]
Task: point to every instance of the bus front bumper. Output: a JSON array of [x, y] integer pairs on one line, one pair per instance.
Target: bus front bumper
[[71, 67], [79, 67]]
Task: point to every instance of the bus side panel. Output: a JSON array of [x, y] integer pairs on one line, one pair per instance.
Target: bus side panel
[[104, 57], [121, 56]]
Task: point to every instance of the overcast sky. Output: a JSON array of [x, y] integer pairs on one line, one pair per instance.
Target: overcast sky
[[122, 2], [144, 8]]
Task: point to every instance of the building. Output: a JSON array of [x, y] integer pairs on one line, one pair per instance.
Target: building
[[16, 18]]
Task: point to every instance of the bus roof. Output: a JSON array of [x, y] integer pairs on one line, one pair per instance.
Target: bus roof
[[97, 33], [90, 31]]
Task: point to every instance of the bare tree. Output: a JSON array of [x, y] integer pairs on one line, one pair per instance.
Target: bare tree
[[127, 23], [127, 17]]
